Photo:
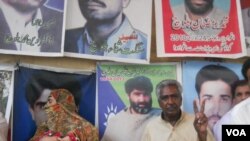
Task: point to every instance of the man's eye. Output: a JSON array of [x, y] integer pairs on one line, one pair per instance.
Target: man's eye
[[207, 97], [238, 94], [225, 99], [164, 98]]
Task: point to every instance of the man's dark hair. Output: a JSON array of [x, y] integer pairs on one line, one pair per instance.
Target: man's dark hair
[[51, 80], [213, 73], [245, 67], [236, 84], [139, 83]]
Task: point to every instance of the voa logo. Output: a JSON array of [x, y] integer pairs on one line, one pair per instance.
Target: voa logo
[[236, 132]]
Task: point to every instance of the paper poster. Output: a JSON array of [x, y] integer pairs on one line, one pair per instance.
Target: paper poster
[[245, 10], [6, 89], [113, 84], [32, 28], [100, 30], [212, 82], [202, 29], [33, 83]]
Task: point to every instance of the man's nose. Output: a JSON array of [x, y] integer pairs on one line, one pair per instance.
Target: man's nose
[[216, 107], [170, 100], [142, 97]]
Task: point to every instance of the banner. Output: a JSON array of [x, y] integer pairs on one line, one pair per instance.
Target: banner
[[94, 31], [32, 86], [113, 99], [208, 29], [210, 81], [32, 28]]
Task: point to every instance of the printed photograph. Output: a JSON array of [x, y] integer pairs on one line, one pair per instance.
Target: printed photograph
[[213, 82], [33, 28], [49, 103], [199, 28], [127, 97], [109, 30]]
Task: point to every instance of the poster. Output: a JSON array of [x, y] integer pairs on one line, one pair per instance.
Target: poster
[[6, 90], [245, 10], [113, 99], [108, 32], [32, 28], [208, 29], [210, 81], [32, 85]]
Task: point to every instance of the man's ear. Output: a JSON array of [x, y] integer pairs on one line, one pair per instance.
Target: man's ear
[[31, 112], [125, 3]]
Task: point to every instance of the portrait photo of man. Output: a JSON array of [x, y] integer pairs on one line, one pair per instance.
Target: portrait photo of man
[[211, 81], [203, 17], [213, 84], [136, 115], [241, 92], [126, 97], [31, 27], [198, 28], [108, 31]]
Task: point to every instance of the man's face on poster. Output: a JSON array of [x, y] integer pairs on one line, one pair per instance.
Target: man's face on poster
[[140, 101], [102, 10], [24, 6], [199, 7], [37, 112], [218, 97]]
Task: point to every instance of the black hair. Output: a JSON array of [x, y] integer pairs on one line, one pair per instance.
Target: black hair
[[237, 84], [214, 72], [245, 67], [139, 83], [51, 80]]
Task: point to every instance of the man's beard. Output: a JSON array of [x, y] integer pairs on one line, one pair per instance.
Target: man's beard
[[199, 10], [142, 110]]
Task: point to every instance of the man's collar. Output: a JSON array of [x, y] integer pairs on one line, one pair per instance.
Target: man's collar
[[179, 119], [12, 15]]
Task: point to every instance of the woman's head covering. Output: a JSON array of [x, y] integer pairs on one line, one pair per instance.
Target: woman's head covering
[[65, 98], [63, 119]]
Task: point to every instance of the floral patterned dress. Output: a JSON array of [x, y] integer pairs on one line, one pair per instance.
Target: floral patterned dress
[[64, 121]]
